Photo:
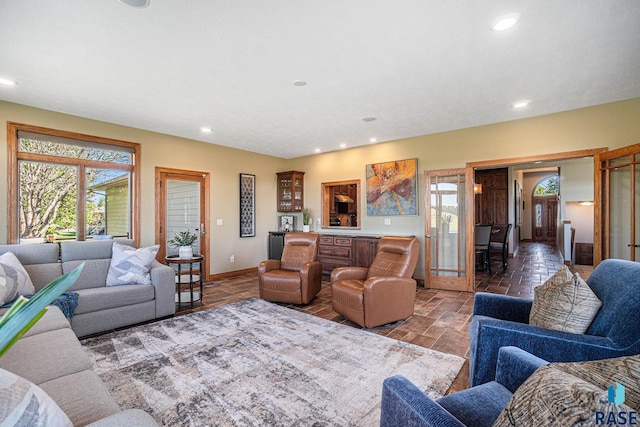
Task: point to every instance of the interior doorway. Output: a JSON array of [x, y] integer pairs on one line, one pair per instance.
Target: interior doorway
[[182, 204], [519, 202]]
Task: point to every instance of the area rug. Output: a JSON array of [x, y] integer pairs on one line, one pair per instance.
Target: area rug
[[255, 363]]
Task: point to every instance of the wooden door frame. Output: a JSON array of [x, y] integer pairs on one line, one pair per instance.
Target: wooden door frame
[[161, 202], [513, 161], [468, 211], [602, 228]]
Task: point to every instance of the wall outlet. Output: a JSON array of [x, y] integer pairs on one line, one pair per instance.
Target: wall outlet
[[232, 258], [318, 221], [387, 221]]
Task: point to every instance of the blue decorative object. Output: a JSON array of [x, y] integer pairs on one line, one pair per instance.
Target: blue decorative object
[[67, 303], [500, 320]]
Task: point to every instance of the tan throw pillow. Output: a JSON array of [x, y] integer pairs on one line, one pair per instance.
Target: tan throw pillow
[[564, 303], [552, 397]]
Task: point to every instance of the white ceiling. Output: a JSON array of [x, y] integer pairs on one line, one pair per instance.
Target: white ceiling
[[417, 66]]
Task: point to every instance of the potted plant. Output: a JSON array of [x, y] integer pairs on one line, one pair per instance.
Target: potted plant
[[306, 219], [183, 241]]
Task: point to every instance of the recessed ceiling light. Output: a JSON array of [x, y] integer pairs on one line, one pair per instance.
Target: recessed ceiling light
[[136, 3], [205, 129], [521, 104], [505, 22], [373, 139], [299, 83], [7, 82], [317, 150], [368, 119], [343, 145]]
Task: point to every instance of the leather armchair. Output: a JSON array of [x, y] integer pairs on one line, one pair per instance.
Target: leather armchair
[[295, 278], [383, 293]]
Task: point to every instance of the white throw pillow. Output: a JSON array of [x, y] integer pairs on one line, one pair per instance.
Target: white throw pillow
[[23, 403], [130, 266], [11, 266], [8, 289]]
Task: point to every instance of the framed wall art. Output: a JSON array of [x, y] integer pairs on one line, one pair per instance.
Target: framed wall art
[[247, 205], [392, 188]]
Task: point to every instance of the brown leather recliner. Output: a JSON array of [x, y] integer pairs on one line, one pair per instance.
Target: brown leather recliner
[[295, 278], [382, 293]]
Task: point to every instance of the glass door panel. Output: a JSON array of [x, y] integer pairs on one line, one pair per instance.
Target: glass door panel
[[445, 222], [182, 211], [620, 215]]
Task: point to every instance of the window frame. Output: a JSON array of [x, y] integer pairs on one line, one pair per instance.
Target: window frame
[[14, 156]]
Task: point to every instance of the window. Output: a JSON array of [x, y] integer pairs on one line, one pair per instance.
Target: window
[[66, 186], [547, 187]]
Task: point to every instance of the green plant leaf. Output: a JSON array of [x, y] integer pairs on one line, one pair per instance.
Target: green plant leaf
[[25, 313]]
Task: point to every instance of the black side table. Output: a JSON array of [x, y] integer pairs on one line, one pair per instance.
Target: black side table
[[181, 279]]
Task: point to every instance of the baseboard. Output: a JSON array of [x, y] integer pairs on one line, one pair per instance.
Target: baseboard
[[233, 273]]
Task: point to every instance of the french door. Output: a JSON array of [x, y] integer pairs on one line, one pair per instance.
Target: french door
[[446, 201], [617, 221], [182, 205]]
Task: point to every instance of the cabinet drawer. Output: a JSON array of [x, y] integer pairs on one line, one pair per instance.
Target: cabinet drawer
[[335, 251], [329, 264], [342, 241], [326, 240]]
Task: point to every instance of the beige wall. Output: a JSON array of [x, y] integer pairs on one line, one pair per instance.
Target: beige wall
[[224, 165], [610, 125]]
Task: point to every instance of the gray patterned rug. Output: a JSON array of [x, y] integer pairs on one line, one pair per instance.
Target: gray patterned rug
[[254, 363]]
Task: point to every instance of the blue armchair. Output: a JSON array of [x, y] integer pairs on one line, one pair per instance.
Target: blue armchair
[[500, 320], [404, 404]]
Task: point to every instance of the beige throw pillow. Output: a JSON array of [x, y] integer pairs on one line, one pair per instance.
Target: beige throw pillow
[[565, 303], [552, 397]]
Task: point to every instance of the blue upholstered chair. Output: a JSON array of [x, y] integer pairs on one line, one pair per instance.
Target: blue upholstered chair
[[404, 404], [500, 320]]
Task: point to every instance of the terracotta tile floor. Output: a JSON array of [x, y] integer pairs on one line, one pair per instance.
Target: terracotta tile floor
[[441, 319]]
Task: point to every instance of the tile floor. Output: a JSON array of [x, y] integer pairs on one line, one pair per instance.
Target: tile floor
[[441, 319]]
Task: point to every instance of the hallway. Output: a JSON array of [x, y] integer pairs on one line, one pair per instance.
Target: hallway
[[441, 319]]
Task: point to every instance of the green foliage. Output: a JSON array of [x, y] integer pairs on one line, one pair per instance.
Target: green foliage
[[25, 313], [547, 187], [183, 238], [306, 216]]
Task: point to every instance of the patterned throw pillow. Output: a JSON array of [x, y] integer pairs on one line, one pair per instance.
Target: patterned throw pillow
[[564, 303], [573, 394], [10, 266], [130, 266], [23, 403], [8, 289]]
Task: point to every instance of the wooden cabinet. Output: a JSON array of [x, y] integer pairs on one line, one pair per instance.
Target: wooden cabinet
[[492, 206], [290, 191], [584, 253], [344, 251], [335, 251], [364, 251]]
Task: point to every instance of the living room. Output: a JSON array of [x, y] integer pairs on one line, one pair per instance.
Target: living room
[[541, 130]]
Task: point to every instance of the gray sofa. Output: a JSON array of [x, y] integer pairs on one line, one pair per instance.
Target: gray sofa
[[50, 356], [100, 308]]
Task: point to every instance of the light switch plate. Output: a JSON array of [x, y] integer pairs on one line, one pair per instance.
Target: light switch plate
[[219, 221]]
